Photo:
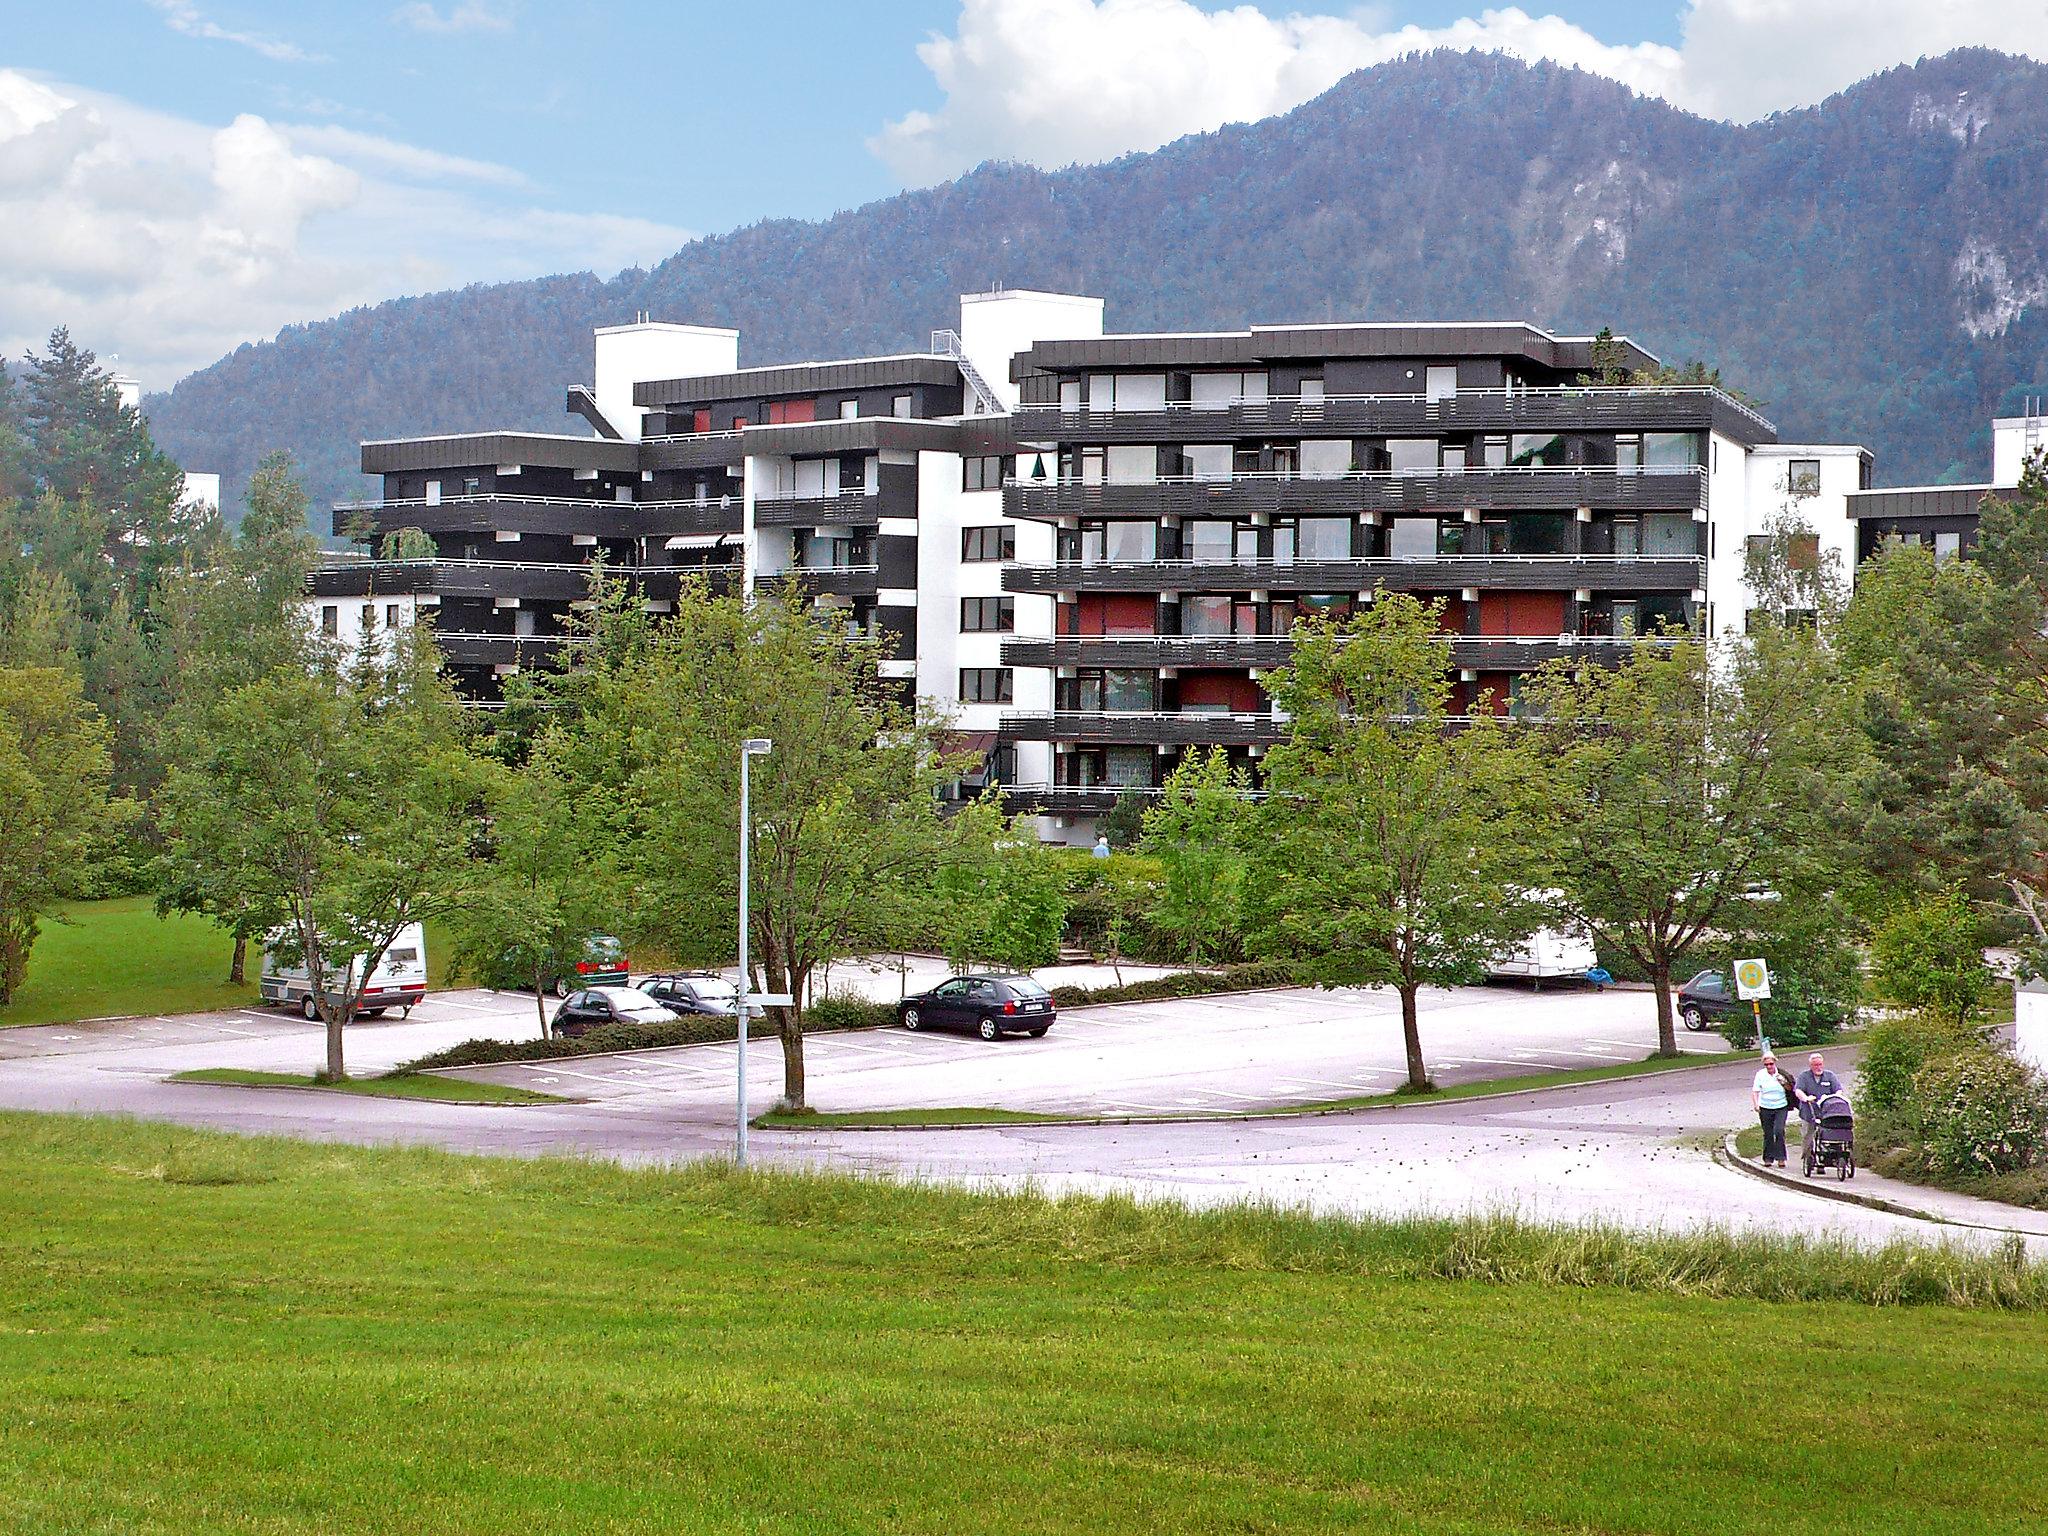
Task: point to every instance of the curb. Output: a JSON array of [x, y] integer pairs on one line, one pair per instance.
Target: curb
[[1726, 1155], [387, 1098], [1233, 1117]]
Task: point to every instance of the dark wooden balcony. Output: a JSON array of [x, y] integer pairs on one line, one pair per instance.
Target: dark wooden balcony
[[1672, 489], [1146, 727], [1594, 409], [496, 513], [1484, 653], [1524, 573]]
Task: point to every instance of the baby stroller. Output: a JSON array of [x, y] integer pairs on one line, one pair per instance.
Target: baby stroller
[[1831, 1138]]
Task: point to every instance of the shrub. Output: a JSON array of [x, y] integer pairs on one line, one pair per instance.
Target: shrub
[[1894, 1051], [1980, 1111], [825, 1015], [1238, 978], [1815, 975], [1930, 957], [839, 1011]]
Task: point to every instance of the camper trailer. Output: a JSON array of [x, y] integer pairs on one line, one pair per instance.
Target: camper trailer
[[399, 981], [1548, 954]]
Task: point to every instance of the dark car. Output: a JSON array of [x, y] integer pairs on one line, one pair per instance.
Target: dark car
[[1706, 1000], [693, 993], [988, 1005], [593, 1007], [599, 961]]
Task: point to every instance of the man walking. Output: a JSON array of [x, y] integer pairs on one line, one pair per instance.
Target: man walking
[[1813, 1085]]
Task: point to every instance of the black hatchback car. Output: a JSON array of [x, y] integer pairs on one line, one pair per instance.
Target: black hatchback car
[[988, 1005], [1706, 1000], [693, 993]]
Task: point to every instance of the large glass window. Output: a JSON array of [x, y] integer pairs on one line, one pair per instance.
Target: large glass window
[[1535, 449], [986, 685], [1670, 533], [1207, 461], [1205, 615], [1412, 538], [1208, 539], [1129, 767], [1669, 449], [1095, 690], [987, 615], [1412, 455], [1325, 538], [1325, 458], [1539, 533], [1133, 464]]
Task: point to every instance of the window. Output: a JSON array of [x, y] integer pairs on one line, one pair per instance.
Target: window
[[1205, 615], [369, 616], [330, 619], [987, 615], [993, 543], [1207, 540], [1454, 458], [1220, 391], [1802, 552], [1534, 450], [1095, 690], [853, 473], [1440, 383], [1946, 547], [1070, 394], [1493, 451], [1324, 538], [1412, 538], [391, 614], [1628, 450], [700, 420], [985, 473], [783, 412], [849, 410], [473, 485], [1802, 477], [1325, 458], [1670, 450], [1412, 455], [900, 406], [1311, 390], [985, 685], [1670, 533]]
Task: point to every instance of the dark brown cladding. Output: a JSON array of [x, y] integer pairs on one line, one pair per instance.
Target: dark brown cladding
[[1920, 501], [474, 450], [799, 379], [1288, 343]]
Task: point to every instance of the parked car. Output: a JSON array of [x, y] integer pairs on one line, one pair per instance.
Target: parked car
[[988, 1005], [400, 980], [600, 961], [693, 992], [593, 1007], [1706, 1000]]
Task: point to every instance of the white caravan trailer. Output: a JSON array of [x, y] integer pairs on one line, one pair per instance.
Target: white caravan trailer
[[1548, 954], [399, 981]]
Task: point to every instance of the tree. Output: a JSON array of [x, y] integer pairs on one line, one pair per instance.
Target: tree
[[1392, 844], [329, 807], [54, 766], [544, 888], [1953, 710], [845, 834], [1682, 791], [1929, 956], [1196, 831], [222, 627], [408, 544], [1124, 823], [998, 898]]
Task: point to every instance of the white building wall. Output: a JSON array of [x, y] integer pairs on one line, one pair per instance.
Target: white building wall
[[377, 617], [647, 350], [1750, 490], [2013, 439], [995, 327], [1727, 521], [202, 490]]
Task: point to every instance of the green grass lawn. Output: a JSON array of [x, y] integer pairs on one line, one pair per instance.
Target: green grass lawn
[[978, 1115], [204, 1333], [116, 957], [442, 1090]]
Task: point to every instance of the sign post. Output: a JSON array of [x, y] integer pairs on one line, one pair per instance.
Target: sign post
[[1752, 986]]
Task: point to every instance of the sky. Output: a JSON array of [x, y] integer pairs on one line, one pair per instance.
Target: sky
[[178, 177]]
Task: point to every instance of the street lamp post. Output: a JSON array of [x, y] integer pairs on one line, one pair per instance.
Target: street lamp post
[[751, 748]]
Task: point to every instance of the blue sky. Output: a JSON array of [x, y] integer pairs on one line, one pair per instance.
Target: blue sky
[[199, 172]]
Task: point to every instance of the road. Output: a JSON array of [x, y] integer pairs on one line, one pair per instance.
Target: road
[[1627, 1151]]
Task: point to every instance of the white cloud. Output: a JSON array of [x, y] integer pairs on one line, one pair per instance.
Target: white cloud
[[465, 16], [169, 242], [1056, 81], [182, 16]]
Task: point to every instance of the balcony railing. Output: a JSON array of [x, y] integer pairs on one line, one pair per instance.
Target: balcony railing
[[492, 511], [1147, 727], [1650, 488], [840, 580], [838, 508], [543, 580], [1652, 408], [1540, 573], [1490, 653]]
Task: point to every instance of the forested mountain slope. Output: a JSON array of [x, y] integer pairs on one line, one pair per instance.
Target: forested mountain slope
[[1871, 268]]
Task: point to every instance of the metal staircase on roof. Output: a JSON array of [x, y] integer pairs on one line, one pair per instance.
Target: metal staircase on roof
[[947, 344]]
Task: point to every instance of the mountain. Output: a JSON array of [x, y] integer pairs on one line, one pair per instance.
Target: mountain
[[1871, 268]]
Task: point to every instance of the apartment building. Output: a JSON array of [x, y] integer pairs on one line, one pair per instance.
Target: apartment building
[[1207, 492], [1091, 545], [874, 484], [1944, 517]]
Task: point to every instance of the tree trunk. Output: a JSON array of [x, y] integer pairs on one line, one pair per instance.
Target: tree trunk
[[238, 963], [1411, 1038], [540, 998], [1667, 1030], [336, 1071], [789, 1027]]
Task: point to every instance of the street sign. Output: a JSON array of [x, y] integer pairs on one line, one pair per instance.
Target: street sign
[[772, 999], [1752, 980]]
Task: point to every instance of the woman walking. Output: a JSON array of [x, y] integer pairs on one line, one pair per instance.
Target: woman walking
[[1768, 1098]]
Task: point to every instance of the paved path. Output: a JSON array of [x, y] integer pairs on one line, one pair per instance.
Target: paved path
[[1631, 1151]]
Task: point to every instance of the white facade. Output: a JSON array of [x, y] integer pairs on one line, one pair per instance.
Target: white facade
[[202, 490], [652, 349], [1754, 492], [996, 326], [2014, 439], [349, 621]]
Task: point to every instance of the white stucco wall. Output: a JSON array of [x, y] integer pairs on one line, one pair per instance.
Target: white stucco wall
[[995, 327], [636, 354]]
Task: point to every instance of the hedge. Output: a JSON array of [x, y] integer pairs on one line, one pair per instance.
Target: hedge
[[824, 1015], [1236, 978]]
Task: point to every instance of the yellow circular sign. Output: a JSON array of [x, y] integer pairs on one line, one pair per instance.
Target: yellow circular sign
[[1750, 973]]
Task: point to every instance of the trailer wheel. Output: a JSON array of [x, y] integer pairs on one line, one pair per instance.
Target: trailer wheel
[[309, 1009]]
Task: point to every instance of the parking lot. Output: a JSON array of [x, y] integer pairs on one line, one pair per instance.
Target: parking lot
[[1207, 1055]]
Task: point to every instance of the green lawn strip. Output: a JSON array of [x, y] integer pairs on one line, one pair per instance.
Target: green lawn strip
[[97, 959], [199, 1332], [1484, 1087], [964, 1115], [442, 1090], [2026, 1187]]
